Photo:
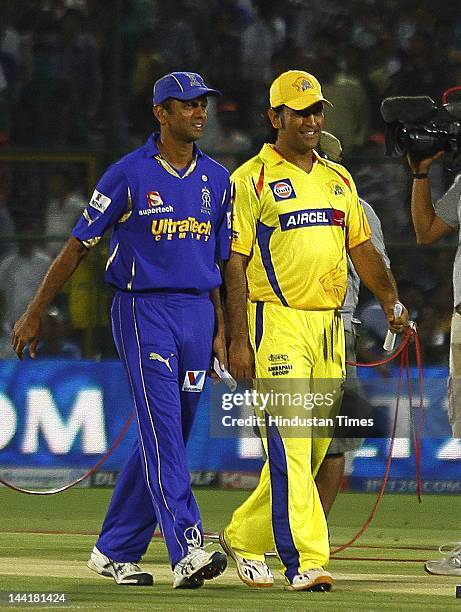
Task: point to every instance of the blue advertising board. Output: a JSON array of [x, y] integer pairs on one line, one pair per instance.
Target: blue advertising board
[[67, 414]]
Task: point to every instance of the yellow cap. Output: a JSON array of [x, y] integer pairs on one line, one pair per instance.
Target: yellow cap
[[296, 89]]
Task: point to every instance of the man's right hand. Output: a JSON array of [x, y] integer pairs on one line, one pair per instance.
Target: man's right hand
[[241, 360], [26, 331]]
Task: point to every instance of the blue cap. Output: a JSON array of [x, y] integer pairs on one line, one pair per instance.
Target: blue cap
[[181, 85]]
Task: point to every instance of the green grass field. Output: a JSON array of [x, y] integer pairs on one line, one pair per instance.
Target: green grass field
[[45, 543]]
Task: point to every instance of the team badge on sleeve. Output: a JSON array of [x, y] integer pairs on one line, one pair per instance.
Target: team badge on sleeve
[[194, 381], [99, 201], [282, 190], [335, 188]]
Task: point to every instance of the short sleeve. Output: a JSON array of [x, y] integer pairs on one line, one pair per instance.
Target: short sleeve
[[245, 212], [107, 204], [447, 207], [358, 229], [224, 227], [377, 237]]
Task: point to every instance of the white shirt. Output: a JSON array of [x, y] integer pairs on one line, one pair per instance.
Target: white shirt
[[61, 218], [20, 277]]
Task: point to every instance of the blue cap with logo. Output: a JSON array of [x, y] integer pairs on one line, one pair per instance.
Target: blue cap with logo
[[182, 86]]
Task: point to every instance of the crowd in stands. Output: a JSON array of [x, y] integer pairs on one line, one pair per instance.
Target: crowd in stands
[[78, 75], [58, 56]]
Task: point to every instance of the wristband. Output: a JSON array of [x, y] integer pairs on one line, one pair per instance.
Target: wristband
[[420, 175]]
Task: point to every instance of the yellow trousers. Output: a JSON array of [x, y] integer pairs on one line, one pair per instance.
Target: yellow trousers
[[285, 509]]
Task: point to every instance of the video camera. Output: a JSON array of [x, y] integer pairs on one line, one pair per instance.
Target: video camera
[[418, 126]]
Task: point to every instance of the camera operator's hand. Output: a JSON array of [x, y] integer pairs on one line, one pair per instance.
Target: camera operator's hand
[[421, 166], [429, 227]]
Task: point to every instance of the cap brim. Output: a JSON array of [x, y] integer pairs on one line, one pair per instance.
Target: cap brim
[[302, 103], [197, 93]]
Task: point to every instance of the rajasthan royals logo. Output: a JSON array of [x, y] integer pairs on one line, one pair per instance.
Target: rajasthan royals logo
[[302, 84], [206, 201], [193, 80]]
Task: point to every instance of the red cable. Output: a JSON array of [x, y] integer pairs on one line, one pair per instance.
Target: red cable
[[73, 483], [406, 340], [402, 350], [404, 363], [386, 471]]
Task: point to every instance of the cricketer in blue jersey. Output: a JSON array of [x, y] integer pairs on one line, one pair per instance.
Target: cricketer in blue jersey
[[168, 205]]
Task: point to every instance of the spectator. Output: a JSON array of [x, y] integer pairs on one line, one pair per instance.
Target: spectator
[[10, 68], [224, 64], [6, 350], [63, 210], [65, 76], [21, 274], [78, 63], [225, 139], [76, 82], [349, 117], [260, 41], [419, 74], [149, 65], [6, 221], [177, 39]]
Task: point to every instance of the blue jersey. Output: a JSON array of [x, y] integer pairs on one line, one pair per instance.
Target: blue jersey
[[170, 228]]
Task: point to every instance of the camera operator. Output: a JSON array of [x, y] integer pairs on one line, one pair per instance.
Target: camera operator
[[431, 223]]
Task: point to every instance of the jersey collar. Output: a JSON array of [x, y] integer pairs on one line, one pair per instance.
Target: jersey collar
[[152, 148], [152, 151], [271, 157]]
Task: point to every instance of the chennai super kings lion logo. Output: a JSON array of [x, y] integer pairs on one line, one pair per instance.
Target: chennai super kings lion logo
[[302, 84], [335, 188]]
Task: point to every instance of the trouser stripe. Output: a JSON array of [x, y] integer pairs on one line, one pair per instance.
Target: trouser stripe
[[146, 467], [259, 327], [278, 467], [146, 399]]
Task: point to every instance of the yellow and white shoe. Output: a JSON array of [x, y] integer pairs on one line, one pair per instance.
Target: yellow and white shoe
[[316, 579], [252, 573]]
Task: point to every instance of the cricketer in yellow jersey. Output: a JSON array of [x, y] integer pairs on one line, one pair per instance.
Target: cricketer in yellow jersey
[[296, 216]]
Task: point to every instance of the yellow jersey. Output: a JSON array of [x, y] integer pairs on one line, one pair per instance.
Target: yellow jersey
[[296, 227]]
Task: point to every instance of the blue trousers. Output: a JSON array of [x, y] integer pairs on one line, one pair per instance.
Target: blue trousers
[[165, 344]]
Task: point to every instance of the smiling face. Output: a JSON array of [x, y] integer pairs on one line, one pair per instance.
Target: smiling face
[[183, 120], [298, 130]]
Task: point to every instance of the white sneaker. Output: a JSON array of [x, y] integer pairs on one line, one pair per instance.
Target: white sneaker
[[252, 573], [122, 573], [316, 579], [197, 566], [450, 565]]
